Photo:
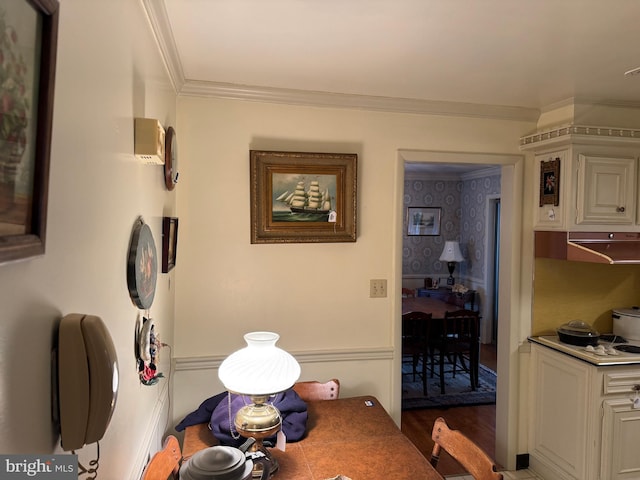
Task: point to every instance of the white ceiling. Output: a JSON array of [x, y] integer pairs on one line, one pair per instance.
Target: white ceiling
[[510, 53]]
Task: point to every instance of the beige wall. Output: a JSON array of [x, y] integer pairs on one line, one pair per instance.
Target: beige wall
[[315, 295], [108, 72], [565, 291]]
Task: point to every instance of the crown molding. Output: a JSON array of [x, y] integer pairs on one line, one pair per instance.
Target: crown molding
[[352, 101], [579, 134], [161, 27]]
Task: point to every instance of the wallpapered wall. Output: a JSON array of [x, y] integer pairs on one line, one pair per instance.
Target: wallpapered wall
[[464, 212]]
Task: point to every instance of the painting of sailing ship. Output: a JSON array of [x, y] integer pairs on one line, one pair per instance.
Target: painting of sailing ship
[[303, 198]]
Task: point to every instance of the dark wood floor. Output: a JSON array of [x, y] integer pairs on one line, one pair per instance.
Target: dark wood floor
[[478, 423]]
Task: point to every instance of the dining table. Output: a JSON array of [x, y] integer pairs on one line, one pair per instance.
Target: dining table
[[437, 308], [354, 437]]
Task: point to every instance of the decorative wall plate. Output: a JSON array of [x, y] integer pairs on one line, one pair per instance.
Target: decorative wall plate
[[142, 266]]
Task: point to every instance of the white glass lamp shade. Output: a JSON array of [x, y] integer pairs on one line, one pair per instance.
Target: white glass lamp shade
[[451, 252], [260, 368]]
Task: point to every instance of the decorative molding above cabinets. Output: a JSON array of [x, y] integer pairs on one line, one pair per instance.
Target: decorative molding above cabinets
[[586, 178]]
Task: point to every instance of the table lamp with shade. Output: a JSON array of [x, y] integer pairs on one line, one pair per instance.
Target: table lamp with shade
[[451, 254], [259, 371]]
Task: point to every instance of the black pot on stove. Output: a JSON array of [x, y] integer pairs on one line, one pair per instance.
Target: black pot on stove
[[577, 332]]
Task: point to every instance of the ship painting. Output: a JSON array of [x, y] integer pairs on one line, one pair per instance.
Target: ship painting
[[303, 201]]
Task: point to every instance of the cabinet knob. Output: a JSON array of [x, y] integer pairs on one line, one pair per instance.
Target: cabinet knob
[[620, 209]]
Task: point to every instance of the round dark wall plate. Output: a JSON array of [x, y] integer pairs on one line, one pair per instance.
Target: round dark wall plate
[[142, 266]]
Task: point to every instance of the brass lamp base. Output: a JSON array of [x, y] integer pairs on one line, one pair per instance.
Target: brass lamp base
[[259, 421]]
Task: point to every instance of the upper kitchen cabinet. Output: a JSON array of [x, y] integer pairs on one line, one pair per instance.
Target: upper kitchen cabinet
[[586, 178]]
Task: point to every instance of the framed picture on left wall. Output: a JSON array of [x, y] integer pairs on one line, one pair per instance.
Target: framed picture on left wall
[[28, 43], [169, 243]]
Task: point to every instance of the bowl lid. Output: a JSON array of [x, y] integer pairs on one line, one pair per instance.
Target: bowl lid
[[578, 328], [217, 463], [629, 312]]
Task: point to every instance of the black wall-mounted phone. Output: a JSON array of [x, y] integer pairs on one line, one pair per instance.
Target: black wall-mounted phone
[[86, 374]]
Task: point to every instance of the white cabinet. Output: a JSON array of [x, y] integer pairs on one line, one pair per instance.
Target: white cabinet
[[597, 184], [583, 424], [606, 189]]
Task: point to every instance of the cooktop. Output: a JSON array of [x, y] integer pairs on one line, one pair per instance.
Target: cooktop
[[611, 350]]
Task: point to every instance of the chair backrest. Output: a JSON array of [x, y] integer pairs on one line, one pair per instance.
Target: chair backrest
[[318, 391], [462, 324], [459, 446], [165, 463], [415, 328]]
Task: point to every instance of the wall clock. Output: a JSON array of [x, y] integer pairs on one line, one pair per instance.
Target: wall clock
[[142, 266], [170, 159]]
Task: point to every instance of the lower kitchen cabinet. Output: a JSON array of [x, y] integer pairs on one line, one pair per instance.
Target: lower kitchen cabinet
[[583, 422]]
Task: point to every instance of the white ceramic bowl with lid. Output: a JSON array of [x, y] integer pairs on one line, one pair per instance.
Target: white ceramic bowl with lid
[[626, 323]]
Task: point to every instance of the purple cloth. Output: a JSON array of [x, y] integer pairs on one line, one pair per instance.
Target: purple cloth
[[292, 409], [203, 413]]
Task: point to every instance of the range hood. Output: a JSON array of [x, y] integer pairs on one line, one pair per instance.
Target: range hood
[[593, 247]]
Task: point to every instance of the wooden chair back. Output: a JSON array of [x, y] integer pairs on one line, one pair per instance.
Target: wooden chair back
[[315, 390], [165, 463], [466, 452], [462, 337]]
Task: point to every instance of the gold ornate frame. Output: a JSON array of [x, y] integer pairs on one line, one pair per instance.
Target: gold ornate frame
[[276, 175]]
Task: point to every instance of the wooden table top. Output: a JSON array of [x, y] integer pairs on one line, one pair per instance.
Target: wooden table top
[[435, 307], [344, 437]]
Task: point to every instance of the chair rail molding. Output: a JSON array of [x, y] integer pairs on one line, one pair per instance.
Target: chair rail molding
[[206, 362]]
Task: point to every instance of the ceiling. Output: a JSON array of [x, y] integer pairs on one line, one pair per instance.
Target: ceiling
[[489, 58], [525, 54]]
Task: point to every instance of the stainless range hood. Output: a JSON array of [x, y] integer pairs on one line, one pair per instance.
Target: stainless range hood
[[593, 247]]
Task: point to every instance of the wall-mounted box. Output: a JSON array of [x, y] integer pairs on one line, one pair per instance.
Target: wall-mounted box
[[149, 141]]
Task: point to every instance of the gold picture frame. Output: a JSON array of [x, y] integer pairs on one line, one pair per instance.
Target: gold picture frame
[[550, 182], [300, 197]]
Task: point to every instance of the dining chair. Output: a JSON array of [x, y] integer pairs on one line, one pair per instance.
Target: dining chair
[[314, 390], [464, 450], [165, 463], [461, 344], [415, 346]]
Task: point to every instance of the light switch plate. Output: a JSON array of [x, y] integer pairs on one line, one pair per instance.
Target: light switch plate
[[377, 288]]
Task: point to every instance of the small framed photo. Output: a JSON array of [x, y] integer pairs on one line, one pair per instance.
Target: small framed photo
[[423, 220], [550, 182], [169, 243], [299, 197]]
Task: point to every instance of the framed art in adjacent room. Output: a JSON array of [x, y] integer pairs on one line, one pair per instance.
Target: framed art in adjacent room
[[169, 243], [550, 182], [28, 40], [423, 220], [301, 197]]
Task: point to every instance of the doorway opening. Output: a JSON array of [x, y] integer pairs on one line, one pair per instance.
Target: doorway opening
[[506, 249]]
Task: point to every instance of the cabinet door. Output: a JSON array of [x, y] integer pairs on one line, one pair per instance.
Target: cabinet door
[[560, 421], [606, 190], [620, 440]]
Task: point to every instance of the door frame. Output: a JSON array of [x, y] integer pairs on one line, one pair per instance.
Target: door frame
[[512, 324]]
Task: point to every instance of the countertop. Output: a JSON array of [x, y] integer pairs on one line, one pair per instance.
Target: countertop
[[552, 341]]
